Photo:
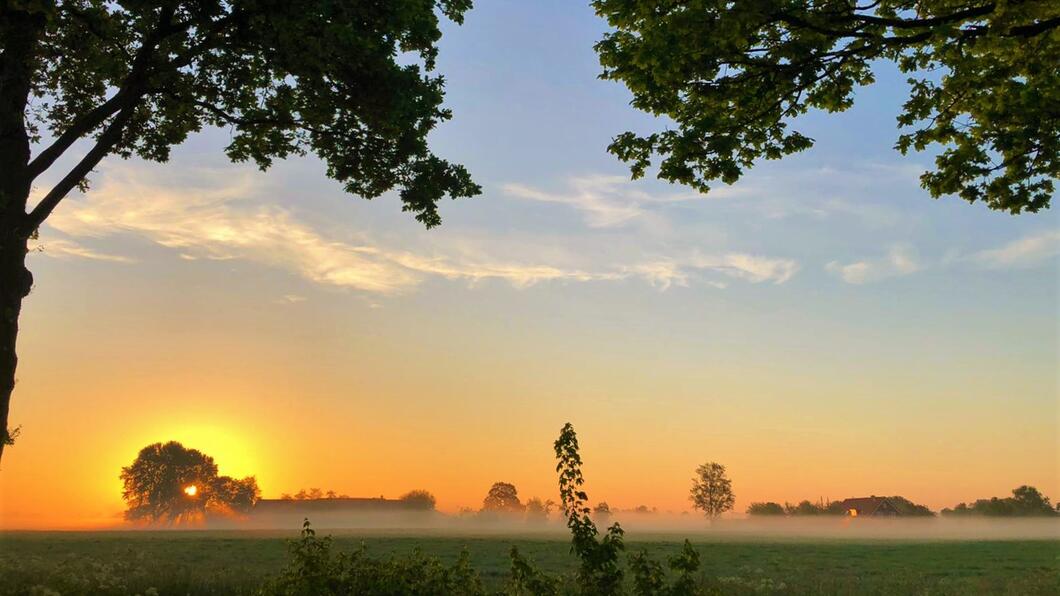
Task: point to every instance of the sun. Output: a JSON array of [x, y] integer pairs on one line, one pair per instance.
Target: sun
[[191, 491]]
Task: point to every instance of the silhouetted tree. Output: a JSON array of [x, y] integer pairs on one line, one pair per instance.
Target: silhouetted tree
[[909, 508], [537, 510], [502, 498], [419, 499], [1025, 501], [347, 81], [598, 572], [314, 493], [171, 483], [805, 507], [727, 78], [712, 490], [768, 508], [602, 513]]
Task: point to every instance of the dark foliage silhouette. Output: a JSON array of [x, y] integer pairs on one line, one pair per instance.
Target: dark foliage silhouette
[[729, 77], [711, 490], [1026, 501], [170, 483], [768, 508], [420, 499], [502, 497]]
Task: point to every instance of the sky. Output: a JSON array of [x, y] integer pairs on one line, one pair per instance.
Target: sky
[[823, 327]]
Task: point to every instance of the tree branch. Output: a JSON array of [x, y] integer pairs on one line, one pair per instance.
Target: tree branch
[[104, 144], [130, 91]]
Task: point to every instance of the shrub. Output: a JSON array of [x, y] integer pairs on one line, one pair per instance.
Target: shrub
[[315, 571]]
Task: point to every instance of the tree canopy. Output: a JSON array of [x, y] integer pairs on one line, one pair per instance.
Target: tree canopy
[[420, 499], [767, 508], [731, 77], [711, 490], [1026, 501], [173, 484], [502, 497]]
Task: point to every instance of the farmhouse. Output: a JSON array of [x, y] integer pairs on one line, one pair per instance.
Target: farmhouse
[[870, 506], [335, 505]]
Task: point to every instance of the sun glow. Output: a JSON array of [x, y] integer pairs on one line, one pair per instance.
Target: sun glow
[[191, 491]]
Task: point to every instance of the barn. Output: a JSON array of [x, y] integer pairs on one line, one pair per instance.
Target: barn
[[870, 507]]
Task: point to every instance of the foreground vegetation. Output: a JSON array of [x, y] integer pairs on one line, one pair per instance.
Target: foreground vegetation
[[240, 562]]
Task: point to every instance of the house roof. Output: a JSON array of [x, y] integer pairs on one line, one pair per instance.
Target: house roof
[[867, 505], [337, 504]]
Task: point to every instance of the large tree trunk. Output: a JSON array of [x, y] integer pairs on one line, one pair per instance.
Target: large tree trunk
[[15, 283], [17, 61]]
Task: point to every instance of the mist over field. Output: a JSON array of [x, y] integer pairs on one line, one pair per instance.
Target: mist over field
[[662, 526]]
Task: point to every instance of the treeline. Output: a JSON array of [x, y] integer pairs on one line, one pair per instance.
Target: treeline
[[1026, 501], [804, 508], [415, 499]]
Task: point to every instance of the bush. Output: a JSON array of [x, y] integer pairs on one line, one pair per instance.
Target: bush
[[315, 571]]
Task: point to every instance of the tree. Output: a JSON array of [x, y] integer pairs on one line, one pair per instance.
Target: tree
[[602, 512], [537, 510], [419, 499], [173, 484], [711, 490], [1025, 501], [768, 508], [502, 498], [348, 81], [805, 507], [731, 76], [598, 572]]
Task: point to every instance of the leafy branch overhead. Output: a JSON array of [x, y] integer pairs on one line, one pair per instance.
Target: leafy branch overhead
[[286, 77], [731, 76]]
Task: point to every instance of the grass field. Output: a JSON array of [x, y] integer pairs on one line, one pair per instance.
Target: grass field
[[235, 562]]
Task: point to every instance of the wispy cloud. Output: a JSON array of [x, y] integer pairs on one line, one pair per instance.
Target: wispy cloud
[[1028, 251], [218, 218], [59, 248], [900, 260], [665, 272], [608, 201]]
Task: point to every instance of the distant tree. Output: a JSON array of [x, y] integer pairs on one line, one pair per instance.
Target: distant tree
[[350, 82], [909, 508], [173, 484], [419, 499], [313, 493], [642, 509], [602, 513], [712, 490], [805, 507], [537, 511], [728, 78], [768, 508], [1026, 501], [1029, 501], [502, 498]]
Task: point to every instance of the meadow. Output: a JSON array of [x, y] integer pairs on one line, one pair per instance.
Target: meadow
[[237, 562]]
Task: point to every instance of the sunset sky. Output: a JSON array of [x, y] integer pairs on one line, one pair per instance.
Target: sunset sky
[[823, 327]]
